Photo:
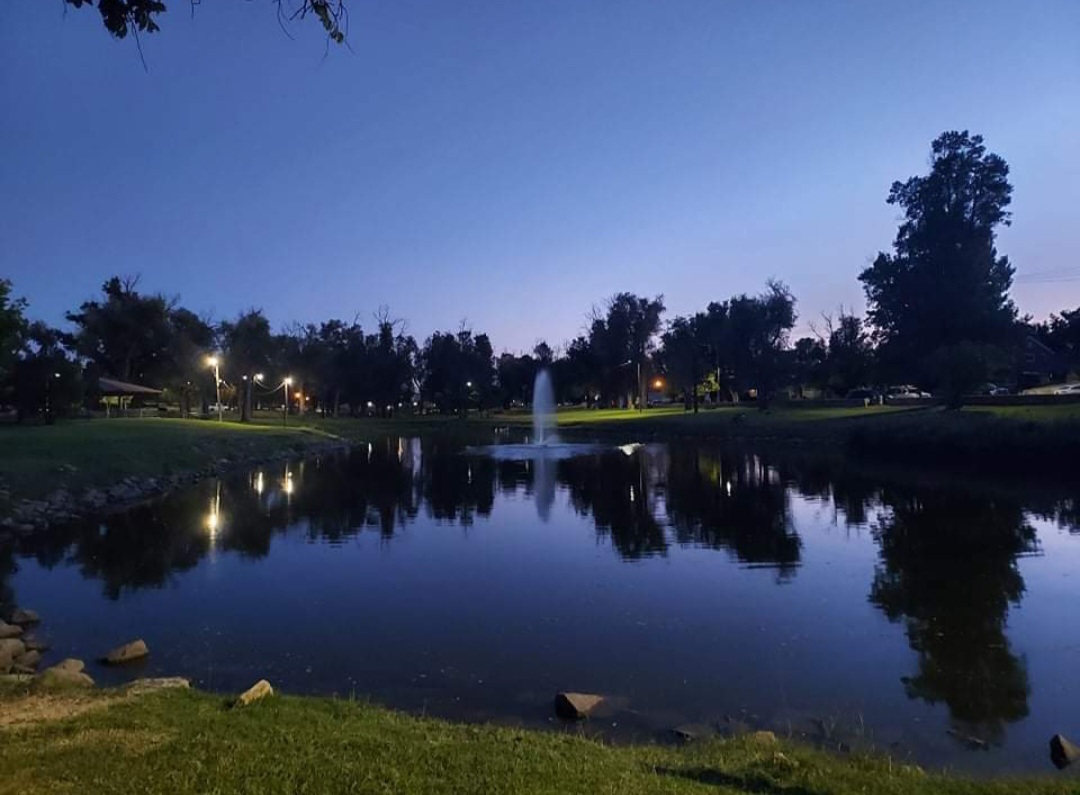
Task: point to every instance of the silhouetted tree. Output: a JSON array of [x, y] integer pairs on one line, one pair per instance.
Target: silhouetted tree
[[127, 335], [12, 328], [121, 17], [1061, 333], [684, 356], [248, 348], [944, 284], [621, 337]]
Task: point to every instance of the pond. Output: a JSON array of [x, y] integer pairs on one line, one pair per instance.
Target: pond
[[930, 617]]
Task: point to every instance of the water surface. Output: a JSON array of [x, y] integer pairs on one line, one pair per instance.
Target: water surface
[[915, 613]]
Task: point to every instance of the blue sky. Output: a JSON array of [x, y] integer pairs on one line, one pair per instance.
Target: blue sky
[[514, 163]]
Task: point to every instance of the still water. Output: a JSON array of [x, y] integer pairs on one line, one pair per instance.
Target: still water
[[929, 617]]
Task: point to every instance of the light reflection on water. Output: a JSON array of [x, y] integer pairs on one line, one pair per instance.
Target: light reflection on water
[[931, 618]]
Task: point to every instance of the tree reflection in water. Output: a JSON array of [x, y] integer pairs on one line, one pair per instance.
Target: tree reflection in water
[[948, 571], [734, 502], [947, 555]]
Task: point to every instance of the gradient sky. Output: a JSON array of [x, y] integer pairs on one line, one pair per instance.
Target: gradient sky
[[513, 163]]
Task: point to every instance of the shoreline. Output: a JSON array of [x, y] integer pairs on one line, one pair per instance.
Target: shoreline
[[25, 515], [168, 738]]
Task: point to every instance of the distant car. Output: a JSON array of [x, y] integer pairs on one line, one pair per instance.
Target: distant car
[[1069, 389], [905, 392], [991, 389]]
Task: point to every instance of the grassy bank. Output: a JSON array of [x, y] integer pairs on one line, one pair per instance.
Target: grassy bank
[[183, 741], [75, 455], [78, 454]]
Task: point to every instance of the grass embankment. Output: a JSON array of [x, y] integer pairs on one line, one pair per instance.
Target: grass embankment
[[77, 454], [1029, 439], [184, 741]]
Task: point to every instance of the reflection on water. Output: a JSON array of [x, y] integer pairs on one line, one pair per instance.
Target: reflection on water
[[528, 591]]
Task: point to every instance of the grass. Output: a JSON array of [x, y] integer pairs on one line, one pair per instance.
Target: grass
[[77, 454], [185, 741]]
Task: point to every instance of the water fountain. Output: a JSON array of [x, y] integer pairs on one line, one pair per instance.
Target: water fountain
[[543, 409]]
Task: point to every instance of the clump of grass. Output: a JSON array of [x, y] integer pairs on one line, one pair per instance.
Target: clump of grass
[[178, 742]]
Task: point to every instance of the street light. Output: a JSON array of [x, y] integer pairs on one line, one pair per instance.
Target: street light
[[285, 416], [214, 362]]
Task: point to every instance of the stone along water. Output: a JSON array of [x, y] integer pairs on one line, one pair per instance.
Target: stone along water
[[543, 409]]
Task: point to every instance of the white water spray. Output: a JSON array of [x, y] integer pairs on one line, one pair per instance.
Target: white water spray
[[543, 409]]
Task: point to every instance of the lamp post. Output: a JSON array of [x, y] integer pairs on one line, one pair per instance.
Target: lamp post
[[285, 416], [214, 362]]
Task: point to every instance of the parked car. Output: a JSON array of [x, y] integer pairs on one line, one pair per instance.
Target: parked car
[[991, 389], [1068, 389], [905, 392]]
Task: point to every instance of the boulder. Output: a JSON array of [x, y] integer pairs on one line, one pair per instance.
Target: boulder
[[10, 648], [24, 617], [141, 686], [689, 732], [576, 706], [260, 689], [28, 659], [763, 737], [34, 643], [9, 630], [129, 652], [70, 664], [1062, 752], [59, 678]]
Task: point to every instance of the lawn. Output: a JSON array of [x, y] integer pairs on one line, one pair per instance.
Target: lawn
[[187, 742], [77, 454]]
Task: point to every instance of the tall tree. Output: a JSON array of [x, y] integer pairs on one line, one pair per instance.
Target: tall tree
[[684, 358], [757, 329], [12, 329], [249, 348], [944, 283], [127, 335], [47, 383], [850, 357], [1061, 333], [622, 337]]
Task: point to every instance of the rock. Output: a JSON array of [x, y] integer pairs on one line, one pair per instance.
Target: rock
[[57, 678], [28, 659], [9, 630], [33, 643], [70, 664], [1062, 752], [10, 648], [260, 689], [141, 686], [763, 737], [129, 652], [576, 706], [689, 732], [24, 617]]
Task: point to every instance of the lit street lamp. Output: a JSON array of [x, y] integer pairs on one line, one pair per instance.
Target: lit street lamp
[[285, 417], [214, 362]]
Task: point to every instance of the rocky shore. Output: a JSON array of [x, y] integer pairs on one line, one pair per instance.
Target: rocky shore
[[24, 516]]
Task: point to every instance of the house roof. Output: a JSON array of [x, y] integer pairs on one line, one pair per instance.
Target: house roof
[[111, 386]]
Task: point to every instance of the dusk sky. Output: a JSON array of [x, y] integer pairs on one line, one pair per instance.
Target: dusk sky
[[514, 163]]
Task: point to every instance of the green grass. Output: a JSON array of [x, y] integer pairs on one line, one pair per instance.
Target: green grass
[[187, 742], [37, 459]]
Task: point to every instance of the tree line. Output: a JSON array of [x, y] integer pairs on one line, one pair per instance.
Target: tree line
[[939, 315]]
